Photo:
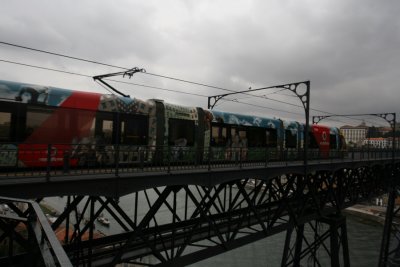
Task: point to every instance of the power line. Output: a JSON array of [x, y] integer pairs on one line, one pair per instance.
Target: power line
[[259, 106], [157, 88], [109, 65], [148, 73], [186, 81], [142, 85], [44, 68], [163, 89], [89, 76], [230, 100], [152, 74], [62, 55]]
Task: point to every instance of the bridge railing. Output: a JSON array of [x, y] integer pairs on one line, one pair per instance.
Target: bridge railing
[[27, 237], [46, 160]]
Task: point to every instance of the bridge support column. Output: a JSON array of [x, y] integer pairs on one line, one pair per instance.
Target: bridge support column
[[297, 246], [305, 247], [287, 251], [390, 248], [338, 239]]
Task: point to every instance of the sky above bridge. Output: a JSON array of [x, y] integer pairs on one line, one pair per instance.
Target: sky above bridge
[[349, 50]]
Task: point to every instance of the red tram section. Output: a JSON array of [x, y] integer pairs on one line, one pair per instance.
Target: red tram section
[[55, 131], [321, 139]]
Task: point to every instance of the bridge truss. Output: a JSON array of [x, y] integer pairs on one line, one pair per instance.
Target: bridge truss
[[26, 238], [181, 224], [175, 217]]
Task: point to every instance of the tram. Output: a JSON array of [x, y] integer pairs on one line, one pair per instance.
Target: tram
[[42, 124]]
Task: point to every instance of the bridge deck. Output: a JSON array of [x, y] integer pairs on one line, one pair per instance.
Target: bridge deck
[[119, 181]]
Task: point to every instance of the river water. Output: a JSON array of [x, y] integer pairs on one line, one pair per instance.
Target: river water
[[364, 242], [364, 245]]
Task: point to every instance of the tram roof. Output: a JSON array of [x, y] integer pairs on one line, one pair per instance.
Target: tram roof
[[245, 120]]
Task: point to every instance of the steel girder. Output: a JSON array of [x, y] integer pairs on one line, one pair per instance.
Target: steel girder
[[179, 225], [26, 238], [336, 190], [390, 247]]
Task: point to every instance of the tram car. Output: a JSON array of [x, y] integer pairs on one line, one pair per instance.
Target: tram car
[[41, 124]]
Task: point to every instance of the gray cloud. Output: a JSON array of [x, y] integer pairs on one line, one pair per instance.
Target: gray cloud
[[348, 49]]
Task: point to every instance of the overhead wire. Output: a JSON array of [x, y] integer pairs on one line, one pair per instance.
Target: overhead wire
[[113, 66], [142, 85], [368, 119], [271, 93], [153, 87], [89, 76], [61, 55], [110, 65], [158, 88], [44, 68], [148, 73], [193, 94]]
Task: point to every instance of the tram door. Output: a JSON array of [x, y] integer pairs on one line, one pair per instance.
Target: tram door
[[124, 129], [105, 128], [133, 129], [5, 125], [12, 122]]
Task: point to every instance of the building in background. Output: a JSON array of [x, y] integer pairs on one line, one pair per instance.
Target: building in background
[[373, 137], [355, 135], [377, 142]]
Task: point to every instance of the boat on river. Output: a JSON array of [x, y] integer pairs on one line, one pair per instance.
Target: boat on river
[[103, 220]]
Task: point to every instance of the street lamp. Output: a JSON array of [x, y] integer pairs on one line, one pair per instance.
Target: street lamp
[[297, 89]]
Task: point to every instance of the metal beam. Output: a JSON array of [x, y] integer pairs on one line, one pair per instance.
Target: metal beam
[[128, 73]]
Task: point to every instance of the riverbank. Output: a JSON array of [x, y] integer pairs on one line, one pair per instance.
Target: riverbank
[[367, 213], [61, 232]]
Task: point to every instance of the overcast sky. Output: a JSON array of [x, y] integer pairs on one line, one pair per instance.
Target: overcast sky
[[349, 50]]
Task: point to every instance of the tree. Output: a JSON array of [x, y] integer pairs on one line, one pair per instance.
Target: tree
[[390, 134], [373, 132]]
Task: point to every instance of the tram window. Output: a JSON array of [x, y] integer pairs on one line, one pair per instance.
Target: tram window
[[107, 130], [35, 118], [290, 139], [218, 135], [134, 130], [84, 122], [271, 137], [241, 133], [332, 141], [242, 136], [104, 128], [256, 137], [58, 125], [180, 130], [5, 126]]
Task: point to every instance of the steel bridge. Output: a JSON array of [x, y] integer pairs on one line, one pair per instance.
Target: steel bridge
[[183, 210]]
